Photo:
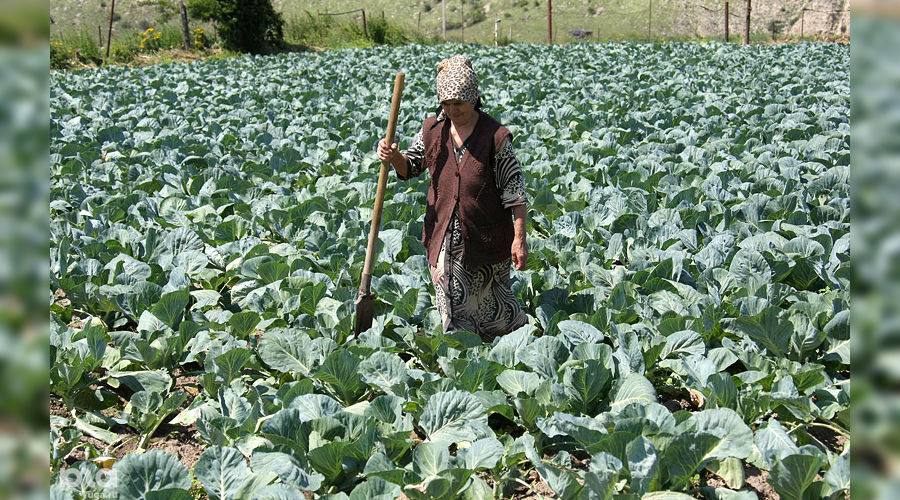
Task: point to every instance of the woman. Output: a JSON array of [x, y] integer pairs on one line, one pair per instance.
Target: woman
[[475, 215]]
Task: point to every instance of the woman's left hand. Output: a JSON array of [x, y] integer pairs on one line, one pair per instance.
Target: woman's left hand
[[519, 252]]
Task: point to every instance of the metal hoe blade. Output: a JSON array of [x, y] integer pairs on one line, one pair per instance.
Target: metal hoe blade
[[365, 310]]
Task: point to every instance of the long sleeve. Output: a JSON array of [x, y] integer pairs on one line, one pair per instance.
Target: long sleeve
[[508, 176], [415, 157]]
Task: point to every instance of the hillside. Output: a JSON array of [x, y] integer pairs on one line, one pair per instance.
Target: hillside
[[526, 20], [520, 20]]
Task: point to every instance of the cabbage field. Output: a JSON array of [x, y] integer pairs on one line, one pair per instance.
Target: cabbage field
[[687, 287]]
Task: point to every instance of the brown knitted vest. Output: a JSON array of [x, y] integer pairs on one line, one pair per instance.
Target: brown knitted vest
[[487, 227]]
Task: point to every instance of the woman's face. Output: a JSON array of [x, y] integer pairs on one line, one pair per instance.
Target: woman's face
[[460, 112]]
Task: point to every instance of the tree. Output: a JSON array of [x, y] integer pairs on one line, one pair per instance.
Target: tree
[[244, 25], [204, 10]]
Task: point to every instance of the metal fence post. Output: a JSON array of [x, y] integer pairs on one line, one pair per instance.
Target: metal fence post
[[112, 10]]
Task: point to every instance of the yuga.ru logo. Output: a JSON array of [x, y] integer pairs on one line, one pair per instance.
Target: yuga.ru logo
[[94, 484]]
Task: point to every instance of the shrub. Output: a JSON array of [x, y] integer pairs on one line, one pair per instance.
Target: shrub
[[380, 31], [122, 54], [59, 55], [387, 33], [300, 29], [83, 47], [348, 32], [249, 25]]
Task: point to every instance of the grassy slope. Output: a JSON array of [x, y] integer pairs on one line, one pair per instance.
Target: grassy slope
[[88, 15], [607, 19], [528, 19]]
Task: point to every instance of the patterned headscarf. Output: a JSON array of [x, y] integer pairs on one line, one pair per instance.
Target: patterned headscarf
[[457, 80]]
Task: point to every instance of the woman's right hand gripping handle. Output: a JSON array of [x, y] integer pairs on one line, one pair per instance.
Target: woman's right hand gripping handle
[[393, 156], [385, 153]]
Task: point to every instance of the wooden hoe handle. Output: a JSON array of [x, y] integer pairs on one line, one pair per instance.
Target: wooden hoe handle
[[366, 281]]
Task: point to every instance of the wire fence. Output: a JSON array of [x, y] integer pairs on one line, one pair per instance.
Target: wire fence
[[360, 12], [769, 24], [729, 19], [770, 20]]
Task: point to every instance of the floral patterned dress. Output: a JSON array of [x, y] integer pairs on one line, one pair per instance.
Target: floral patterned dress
[[478, 299]]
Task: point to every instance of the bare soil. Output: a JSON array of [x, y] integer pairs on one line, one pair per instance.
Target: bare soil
[[180, 441], [59, 297], [537, 490], [187, 383], [714, 480], [57, 408], [177, 440], [756, 480]]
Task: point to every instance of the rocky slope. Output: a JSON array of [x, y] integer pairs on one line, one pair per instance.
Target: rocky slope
[[823, 18]]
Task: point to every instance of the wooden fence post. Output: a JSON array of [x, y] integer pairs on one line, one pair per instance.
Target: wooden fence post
[[549, 22], [112, 10], [726, 22], [462, 21], [802, 21], [496, 35], [100, 35], [747, 26], [185, 27], [650, 21], [319, 24], [365, 27]]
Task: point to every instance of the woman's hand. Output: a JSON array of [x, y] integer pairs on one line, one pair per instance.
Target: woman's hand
[[519, 248], [519, 252], [385, 153], [394, 157]]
